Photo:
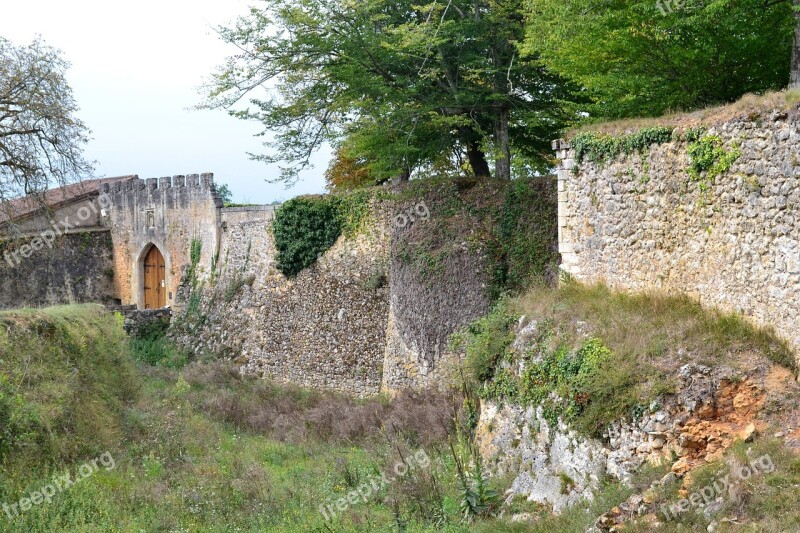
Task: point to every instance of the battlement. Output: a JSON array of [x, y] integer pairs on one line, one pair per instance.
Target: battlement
[[203, 181]]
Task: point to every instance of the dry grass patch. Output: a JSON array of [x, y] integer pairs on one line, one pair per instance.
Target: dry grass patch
[[750, 106], [663, 330]]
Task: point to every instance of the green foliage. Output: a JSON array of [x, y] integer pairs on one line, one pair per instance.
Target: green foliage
[[477, 499], [523, 250], [486, 341], [192, 314], [504, 386], [65, 376], [709, 159], [402, 87], [304, 229], [19, 424], [195, 249], [645, 58], [353, 210], [602, 147], [563, 381], [225, 194], [151, 346]]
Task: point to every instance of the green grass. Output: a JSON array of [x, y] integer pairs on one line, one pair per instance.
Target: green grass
[[202, 448], [190, 447], [65, 379]]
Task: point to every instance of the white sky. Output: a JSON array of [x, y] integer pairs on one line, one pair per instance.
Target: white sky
[[136, 67]]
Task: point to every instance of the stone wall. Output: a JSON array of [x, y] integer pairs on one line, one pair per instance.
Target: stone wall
[[326, 327], [640, 222], [165, 212], [70, 268], [375, 311]]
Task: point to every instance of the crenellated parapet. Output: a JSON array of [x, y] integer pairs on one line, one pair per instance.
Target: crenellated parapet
[[197, 185]]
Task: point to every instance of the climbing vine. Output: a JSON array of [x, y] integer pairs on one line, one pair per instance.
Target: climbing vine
[[600, 147], [710, 159], [522, 249]]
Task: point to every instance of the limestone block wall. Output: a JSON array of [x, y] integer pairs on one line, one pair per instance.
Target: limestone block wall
[[640, 222], [169, 213]]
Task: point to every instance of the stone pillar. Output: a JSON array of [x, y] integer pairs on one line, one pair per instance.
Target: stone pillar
[[566, 247]]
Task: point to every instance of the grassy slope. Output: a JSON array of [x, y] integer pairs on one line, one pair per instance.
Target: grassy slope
[[650, 336], [750, 106], [202, 448]]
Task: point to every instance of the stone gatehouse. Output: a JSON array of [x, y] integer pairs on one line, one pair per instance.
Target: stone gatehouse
[[121, 240]]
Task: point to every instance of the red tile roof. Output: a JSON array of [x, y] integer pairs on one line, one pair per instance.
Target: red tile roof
[[27, 206]]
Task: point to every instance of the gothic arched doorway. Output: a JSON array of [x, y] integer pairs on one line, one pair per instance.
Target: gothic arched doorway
[[155, 290]]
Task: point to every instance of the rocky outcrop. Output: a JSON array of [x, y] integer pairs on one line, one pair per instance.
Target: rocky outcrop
[[553, 464]]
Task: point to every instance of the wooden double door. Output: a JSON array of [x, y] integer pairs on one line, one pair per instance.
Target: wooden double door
[[155, 290]]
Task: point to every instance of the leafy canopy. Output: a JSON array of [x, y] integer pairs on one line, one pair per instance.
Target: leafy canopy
[[646, 57], [403, 86]]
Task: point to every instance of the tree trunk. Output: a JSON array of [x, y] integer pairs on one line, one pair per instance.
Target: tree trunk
[[794, 77], [477, 160], [502, 162], [404, 176]]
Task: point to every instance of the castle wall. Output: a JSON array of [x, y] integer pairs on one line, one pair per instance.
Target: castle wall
[[325, 327], [83, 214], [640, 222], [375, 311], [71, 268], [168, 213]]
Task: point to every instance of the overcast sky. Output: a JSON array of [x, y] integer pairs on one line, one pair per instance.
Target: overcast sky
[[136, 67]]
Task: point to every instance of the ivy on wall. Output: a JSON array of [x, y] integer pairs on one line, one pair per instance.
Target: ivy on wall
[[525, 235], [601, 147], [709, 159], [306, 227]]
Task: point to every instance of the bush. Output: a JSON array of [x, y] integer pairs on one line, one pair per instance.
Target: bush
[[151, 346], [304, 229]]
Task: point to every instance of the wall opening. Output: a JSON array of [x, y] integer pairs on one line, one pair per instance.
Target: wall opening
[[154, 284]]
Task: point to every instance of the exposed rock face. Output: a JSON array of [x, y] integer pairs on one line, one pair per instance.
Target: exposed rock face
[[558, 467], [640, 222]]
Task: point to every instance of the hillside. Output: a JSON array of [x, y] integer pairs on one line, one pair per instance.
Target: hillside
[[199, 447]]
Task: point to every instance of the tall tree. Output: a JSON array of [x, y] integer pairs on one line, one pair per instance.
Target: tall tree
[[406, 83], [641, 57], [41, 140], [794, 77]]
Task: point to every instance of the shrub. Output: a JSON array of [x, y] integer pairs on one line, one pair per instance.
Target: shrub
[[304, 229], [151, 346], [486, 341]]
